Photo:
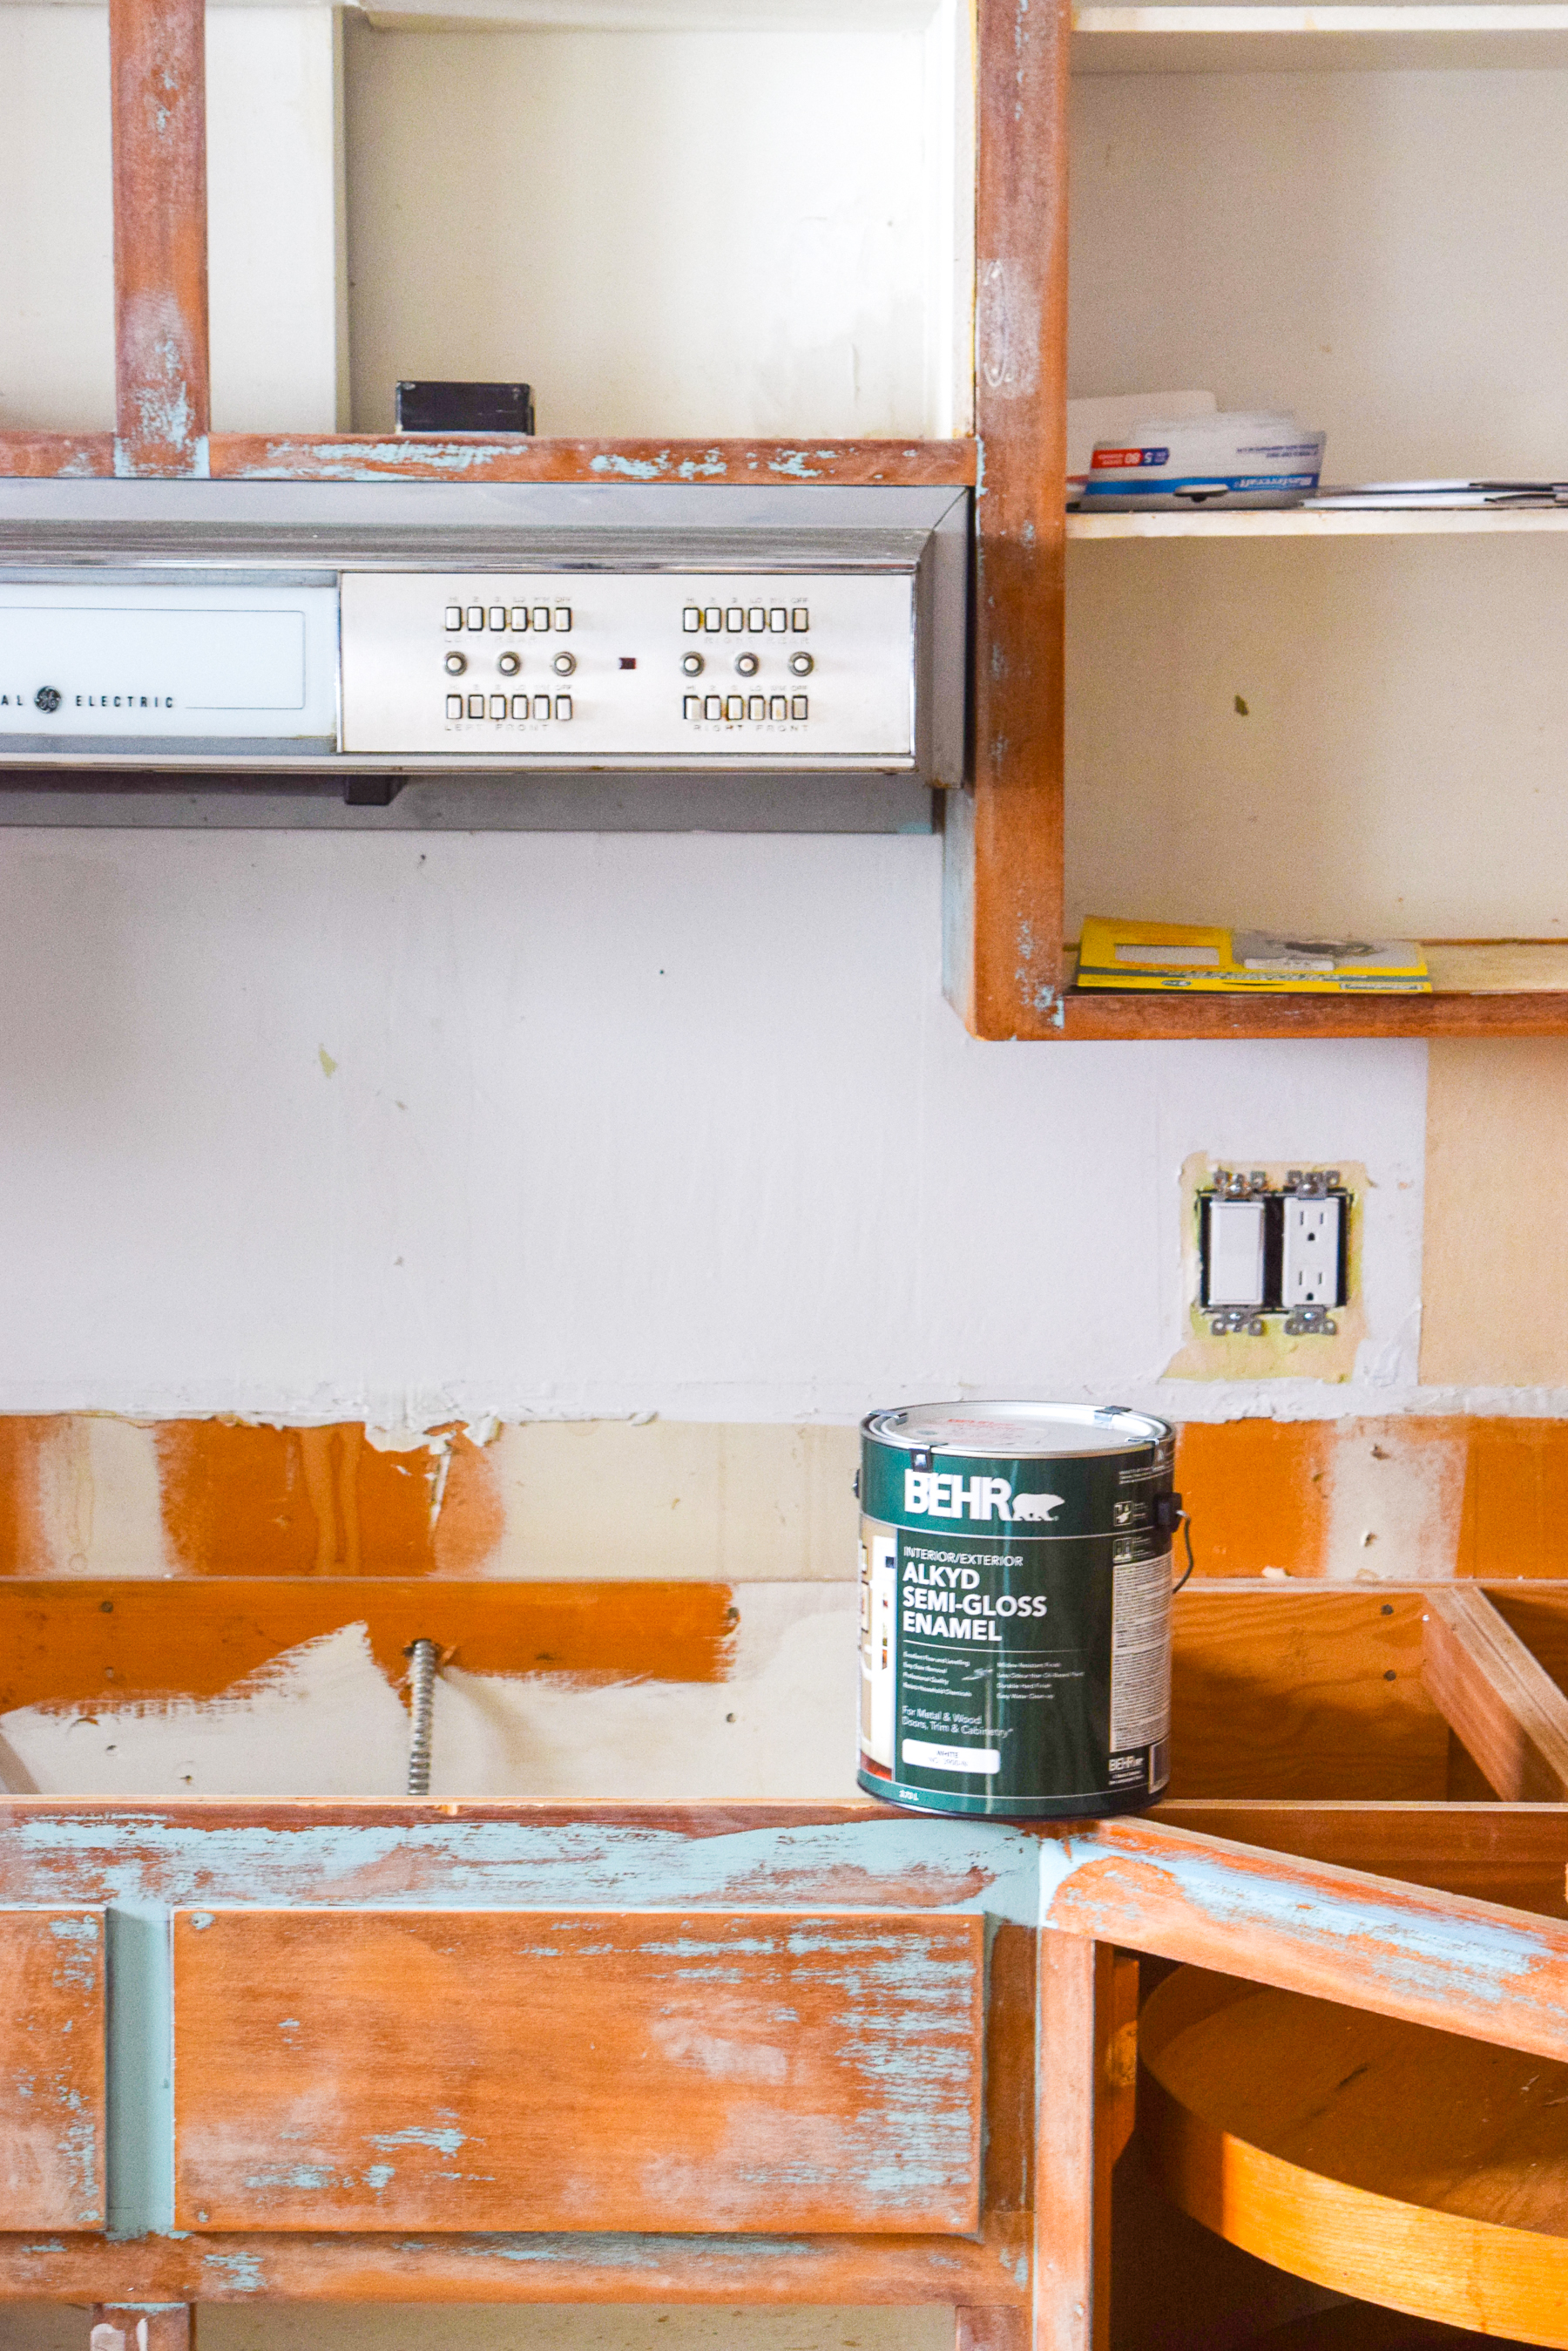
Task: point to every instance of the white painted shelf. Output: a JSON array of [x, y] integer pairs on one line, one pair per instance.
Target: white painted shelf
[[1294, 522], [1239, 38]]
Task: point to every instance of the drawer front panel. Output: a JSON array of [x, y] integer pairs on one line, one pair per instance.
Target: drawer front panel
[[52, 2069], [576, 2070]]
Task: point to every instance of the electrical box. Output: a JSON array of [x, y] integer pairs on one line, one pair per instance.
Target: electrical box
[[1265, 1249]]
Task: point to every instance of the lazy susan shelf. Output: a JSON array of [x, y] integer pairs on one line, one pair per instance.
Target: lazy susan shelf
[[1404, 2165]]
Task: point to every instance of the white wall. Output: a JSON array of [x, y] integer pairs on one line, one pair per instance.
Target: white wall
[[1376, 250], [272, 198], [332, 1126], [719, 232]]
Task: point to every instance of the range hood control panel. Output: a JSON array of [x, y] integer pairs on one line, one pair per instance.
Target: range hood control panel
[[692, 669]]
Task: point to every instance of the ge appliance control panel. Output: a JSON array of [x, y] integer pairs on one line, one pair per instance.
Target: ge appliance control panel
[[667, 669], [387, 630]]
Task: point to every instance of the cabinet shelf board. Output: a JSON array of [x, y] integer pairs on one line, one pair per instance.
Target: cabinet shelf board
[[1336, 522], [1481, 986], [1336, 39]]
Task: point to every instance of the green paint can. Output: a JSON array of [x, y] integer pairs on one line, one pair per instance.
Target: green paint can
[[1015, 1588]]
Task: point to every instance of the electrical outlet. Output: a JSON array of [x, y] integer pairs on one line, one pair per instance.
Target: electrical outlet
[[1273, 1246]]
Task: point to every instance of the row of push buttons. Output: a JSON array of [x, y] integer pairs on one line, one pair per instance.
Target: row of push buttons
[[516, 705], [753, 620], [745, 705], [517, 617]]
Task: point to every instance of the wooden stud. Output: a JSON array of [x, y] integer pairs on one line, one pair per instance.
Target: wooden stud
[[1501, 1703], [143, 2326], [157, 67], [1003, 845], [1072, 2149]]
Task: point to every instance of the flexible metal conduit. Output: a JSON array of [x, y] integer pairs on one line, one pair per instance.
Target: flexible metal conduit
[[423, 1656]]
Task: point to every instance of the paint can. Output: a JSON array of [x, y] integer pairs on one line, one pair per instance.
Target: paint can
[[1015, 1590]]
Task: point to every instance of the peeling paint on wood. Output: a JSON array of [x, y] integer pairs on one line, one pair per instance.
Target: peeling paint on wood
[[57, 457], [350, 457], [157, 64], [52, 2034]]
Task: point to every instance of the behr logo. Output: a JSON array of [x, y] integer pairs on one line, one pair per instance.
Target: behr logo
[[934, 1494]]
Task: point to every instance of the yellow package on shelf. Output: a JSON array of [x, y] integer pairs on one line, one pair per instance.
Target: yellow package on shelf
[[1203, 959]]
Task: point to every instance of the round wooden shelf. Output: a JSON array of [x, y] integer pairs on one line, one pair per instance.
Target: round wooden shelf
[[1409, 2168]]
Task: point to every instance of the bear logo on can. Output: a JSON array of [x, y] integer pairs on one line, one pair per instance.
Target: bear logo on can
[[1042, 1506]]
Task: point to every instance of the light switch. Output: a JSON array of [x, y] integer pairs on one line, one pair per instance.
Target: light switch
[[1233, 1252]]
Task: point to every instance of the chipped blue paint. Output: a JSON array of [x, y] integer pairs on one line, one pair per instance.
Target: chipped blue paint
[[240, 2272], [379, 2176], [140, 2072], [314, 2176], [448, 2141]]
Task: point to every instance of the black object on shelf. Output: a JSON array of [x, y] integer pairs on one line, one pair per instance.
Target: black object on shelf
[[465, 408]]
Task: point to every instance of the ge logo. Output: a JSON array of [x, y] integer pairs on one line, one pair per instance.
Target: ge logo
[[48, 697]]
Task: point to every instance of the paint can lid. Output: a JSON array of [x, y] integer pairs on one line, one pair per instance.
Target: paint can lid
[[1015, 1431]]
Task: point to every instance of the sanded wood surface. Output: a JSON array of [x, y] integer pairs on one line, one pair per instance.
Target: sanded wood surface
[[1280, 1690], [47, 456], [473, 458], [1402, 1950], [1503, 1703], [1373, 2155], [593, 2070], [157, 82], [1074, 2146], [51, 2069], [1506, 1854], [69, 1641], [1004, 832], [495, 2269]]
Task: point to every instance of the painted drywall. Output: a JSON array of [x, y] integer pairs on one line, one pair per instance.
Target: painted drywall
[[335, 1128], [270, 210], [721, 232], [1368, 248]]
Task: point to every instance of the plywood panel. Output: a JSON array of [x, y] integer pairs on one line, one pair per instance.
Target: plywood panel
[[653, 2070], [1495, 1279], [51, 2069], [1304, 1694]]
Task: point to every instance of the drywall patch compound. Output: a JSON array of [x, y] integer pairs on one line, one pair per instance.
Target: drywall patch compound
[[1015, 1583]]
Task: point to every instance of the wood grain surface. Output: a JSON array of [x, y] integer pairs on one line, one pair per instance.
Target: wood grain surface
[[471, 457], [589, 2071], [1074, 2146], [1004, 832], [1507, 1854], [712, 2270], [51, 2069], [158, 84], [1503, 1703], [71, 1641], [1088, 1014], [48, 455], [1375, 2156], [1311, 1693]]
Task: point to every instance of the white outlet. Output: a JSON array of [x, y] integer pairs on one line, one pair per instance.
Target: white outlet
[[1310, 1267]]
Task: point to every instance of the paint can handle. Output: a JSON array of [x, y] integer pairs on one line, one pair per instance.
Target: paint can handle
[[1169, 1515]]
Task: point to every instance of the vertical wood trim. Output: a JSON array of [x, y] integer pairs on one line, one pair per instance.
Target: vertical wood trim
[[1004, 849], [1072, 2147], [157, 71], [1500, 1700], [143, 2326]]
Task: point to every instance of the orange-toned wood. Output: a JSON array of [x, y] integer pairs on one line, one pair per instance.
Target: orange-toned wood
[[1097, 1013], [1302, 1691], [158, 80], [588, 2070], [1003, 850], [47, 456], [471, 457], [1493, 1853], [155, 2327], [1377, 2158], [1121, 2053], [405, 2267], [52, 2069], [1503, 1703], [1072, 2147], [68, 1642], [1009, 2089], [1514, 1516], [996, 2328], [1255, 1490]]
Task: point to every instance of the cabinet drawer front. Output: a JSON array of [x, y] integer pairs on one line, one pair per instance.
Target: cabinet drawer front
[[52, 2069], [526, 2069]]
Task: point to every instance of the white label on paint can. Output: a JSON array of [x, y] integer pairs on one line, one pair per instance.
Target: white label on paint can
[[951, 1759], [1141, 1653]]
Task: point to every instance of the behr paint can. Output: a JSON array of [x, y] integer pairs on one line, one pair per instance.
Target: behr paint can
[[1015, 1587]]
